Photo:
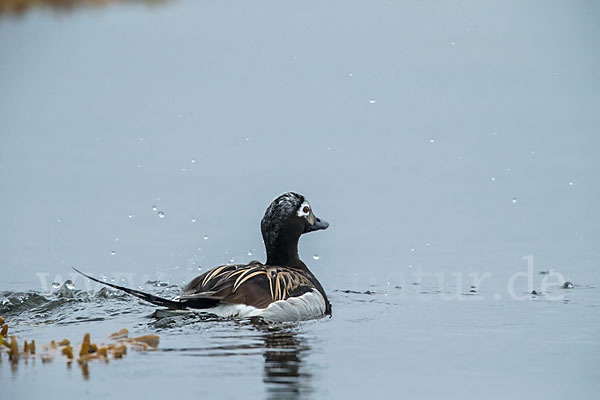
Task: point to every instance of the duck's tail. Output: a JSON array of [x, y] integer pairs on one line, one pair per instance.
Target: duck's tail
[[150, 298]]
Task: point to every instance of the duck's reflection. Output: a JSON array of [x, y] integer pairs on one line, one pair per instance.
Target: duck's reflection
[[285, 373], [285, 376], [283, 346]]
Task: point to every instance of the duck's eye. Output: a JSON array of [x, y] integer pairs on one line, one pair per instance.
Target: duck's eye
[[306, 209]]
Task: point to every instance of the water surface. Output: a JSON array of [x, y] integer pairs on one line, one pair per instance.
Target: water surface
[[443, 142]]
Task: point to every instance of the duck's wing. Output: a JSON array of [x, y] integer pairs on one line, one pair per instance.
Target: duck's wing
[[254, 285]]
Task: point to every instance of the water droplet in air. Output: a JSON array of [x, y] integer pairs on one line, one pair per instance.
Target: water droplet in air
[[183, 169], [130, 216], [249, 252], [199, 268], [55, 285], [571, 183], [58, 220], [112, 253], [154, 208], [372, 101], [161, 214], [412, 250], [453, 43], [193, 161], [432, 140], [205, 237], [316, 256], [514, 200], [69, 285], [193, 219]]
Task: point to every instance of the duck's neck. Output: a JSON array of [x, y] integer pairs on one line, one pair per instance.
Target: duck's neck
[[285, 254]]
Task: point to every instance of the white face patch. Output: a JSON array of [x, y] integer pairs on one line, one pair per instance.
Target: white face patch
[[305, 211]]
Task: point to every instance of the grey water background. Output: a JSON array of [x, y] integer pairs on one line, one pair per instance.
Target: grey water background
[[443, 141]]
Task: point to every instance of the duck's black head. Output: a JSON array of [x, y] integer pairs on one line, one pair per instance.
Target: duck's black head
[[289, 216]]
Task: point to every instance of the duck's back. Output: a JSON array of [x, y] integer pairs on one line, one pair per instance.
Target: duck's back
[[274, 292]]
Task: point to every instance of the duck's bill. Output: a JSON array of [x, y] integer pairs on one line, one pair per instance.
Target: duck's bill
[[318, 225]]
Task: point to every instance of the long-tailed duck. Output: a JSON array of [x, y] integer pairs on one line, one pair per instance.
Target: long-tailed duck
[[282, 289]]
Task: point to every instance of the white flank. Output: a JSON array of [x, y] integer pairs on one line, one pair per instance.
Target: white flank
[[310, 305]]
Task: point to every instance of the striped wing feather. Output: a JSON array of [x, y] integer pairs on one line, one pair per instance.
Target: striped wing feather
[[254, 285]]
